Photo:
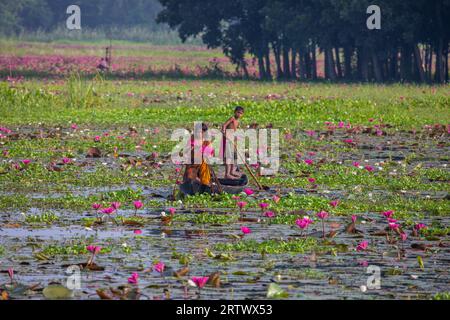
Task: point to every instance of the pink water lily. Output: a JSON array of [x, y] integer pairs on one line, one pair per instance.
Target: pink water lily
[[309, 162], [393, 225], [354, 218], [334, 203], [369, 168], [133, 279], [364, 263], [93, 249], [276, 199], [115, 205], [74, 126], [420, 226], [138, 204], [388, 214], [11, 274], [322, 215], [304, 222], [200, 282], [356, 164], [137, 231], [246, 230], [97, 138], [311, 180], [26, 161], [172, 211], [263, 205], [403, 236], [269, 214], [241, 204], [66, 160], [96, 206], [248, 192], [159, 267], [363, 245], [109, 210]]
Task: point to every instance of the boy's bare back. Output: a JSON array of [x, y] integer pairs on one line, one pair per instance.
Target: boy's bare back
[[232, 123]]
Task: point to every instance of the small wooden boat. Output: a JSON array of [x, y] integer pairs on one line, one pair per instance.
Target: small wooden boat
[[231, 186]]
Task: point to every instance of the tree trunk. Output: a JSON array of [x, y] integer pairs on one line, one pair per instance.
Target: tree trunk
[[244, 67], [430, 64], [314, 61], [376, 67], [405, 64], [347, 63], [294, 63], [364, 64], [330, 67], [440, 77], [267, 58], [338, 63], [286, 64], [262, 71], [446, 64], [440, 66], [306, 67], [419, 64], [276, 52]]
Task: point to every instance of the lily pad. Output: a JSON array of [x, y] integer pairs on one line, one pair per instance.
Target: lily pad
[[57, 291], [276, 292]]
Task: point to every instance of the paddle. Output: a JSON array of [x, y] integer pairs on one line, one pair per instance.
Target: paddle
[[260, 186]]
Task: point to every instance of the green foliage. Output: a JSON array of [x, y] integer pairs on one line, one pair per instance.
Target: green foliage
[[270, 246]]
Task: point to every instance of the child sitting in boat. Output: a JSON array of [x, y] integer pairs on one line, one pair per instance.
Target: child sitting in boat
[[198, 176]]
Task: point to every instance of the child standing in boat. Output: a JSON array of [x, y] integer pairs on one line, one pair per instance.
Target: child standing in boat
[[229, 153]]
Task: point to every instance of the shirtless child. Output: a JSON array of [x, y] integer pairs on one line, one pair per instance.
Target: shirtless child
[[232, 123]]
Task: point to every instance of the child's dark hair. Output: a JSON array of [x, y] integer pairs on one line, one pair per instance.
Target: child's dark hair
[[204, 127], [239, 108]]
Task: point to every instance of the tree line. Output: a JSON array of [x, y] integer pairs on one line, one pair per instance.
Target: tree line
[[31, 15], [285, 37]]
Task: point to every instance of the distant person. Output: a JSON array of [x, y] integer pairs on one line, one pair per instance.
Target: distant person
[[232, 123], [103, 65]]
